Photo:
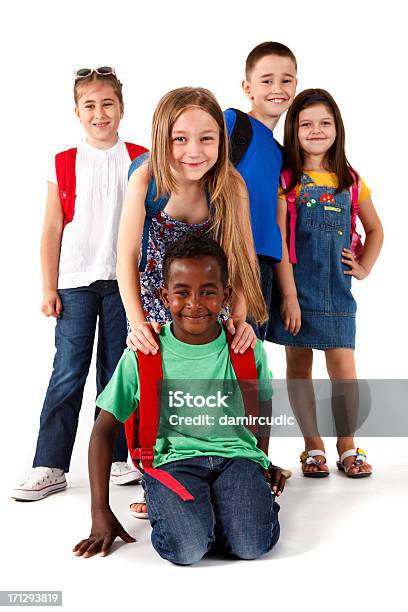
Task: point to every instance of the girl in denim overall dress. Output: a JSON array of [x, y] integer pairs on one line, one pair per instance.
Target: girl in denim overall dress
[[316, 308]]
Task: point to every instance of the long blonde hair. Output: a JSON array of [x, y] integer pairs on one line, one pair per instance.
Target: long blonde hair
[[223, 184]]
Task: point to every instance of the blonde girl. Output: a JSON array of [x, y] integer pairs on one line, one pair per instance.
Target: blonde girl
[[186, 185]]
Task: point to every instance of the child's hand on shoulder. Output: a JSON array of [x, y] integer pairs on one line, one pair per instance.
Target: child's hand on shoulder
[[105, 529], [141, 337], [356, 269], [51, 304], [291, 316], [244, 335]]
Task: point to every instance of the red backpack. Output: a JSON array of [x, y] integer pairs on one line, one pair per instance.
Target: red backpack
[[356, 245], [142, 426], [66, 178]]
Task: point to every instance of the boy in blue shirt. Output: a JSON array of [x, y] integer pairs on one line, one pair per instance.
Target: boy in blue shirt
[[270, 85]]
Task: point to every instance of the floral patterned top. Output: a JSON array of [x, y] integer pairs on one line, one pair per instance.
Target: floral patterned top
[[163, 231]]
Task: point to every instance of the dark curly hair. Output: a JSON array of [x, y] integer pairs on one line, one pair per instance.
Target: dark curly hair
[[195, 247]]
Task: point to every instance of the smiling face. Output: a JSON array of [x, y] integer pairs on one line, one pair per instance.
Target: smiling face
[[195, 296], [100, 112], [316, 130], [194, 144], [271, 87]]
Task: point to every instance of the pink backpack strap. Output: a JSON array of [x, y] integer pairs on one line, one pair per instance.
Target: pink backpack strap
[[354, 194], [285, 179], [66, 179]]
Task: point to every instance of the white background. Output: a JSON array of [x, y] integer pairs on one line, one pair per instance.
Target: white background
[[339, 535]]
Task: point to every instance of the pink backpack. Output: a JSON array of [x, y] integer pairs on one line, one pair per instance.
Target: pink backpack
[[356, 247]]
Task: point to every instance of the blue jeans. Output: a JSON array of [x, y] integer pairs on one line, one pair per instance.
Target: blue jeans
[[266, 277], [74, 339], [233, 512]]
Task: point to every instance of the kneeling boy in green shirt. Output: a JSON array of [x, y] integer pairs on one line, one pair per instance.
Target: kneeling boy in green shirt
[[230, 505]]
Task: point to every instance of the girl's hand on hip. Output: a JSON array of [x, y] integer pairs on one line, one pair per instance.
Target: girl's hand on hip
[[291, 316], [357, 270], [244, 335], [141, 337], [51, 304]]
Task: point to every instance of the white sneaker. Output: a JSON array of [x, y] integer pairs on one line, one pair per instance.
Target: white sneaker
[[42, 482], [123, 473]]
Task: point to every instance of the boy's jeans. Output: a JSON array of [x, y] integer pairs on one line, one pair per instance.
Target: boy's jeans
[[74, 339], [233, 512], [266, 277]]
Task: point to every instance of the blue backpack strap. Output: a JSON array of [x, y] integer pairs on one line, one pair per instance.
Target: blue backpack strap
[[137, 162], [241, 136], [153, 205]]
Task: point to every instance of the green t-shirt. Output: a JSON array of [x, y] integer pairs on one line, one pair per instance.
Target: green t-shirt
[[203, 370]]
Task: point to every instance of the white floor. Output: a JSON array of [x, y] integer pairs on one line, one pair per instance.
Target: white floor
[[343, 547]]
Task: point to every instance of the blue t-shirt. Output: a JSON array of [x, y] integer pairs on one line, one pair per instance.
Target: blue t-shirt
[[260, 168]]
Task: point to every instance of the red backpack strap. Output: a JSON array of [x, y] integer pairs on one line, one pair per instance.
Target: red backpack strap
[[135, 150], [66, 179], [150, 376], [354, 194], [291, 198], [142, 426], [247, 376]]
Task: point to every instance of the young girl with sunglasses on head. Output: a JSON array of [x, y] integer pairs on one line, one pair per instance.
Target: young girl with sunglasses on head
[[186, 185], [318, 202], [86, 187]]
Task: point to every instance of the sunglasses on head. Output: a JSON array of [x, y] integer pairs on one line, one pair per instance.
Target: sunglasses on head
[[102, 70]]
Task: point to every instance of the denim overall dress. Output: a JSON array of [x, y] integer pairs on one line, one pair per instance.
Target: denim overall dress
[[327, 305]]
